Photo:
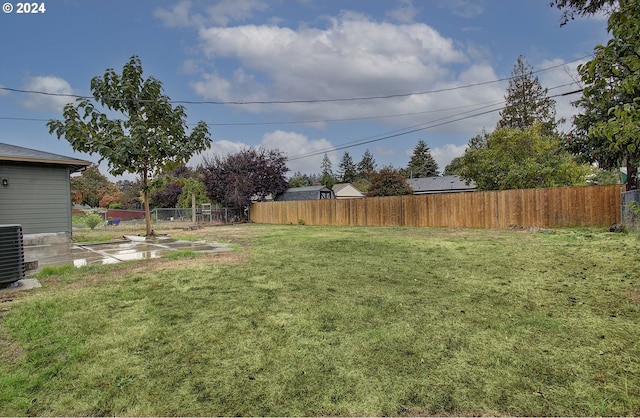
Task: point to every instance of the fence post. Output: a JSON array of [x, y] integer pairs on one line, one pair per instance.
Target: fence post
[[193, 208]]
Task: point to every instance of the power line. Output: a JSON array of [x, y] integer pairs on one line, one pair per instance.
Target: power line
[[412, 129], [394, 135], [301, 101]]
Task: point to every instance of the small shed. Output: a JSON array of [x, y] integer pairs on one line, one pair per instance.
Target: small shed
[[306, 193], [35, 190], [443, 184], [346, 191]]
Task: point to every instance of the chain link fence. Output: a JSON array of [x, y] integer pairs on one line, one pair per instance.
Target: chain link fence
[[167, 217]]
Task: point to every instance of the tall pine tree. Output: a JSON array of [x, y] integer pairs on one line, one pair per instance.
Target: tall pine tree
[[367, 165], [527, 102], [327, 178], [422, 163], [347, 171]]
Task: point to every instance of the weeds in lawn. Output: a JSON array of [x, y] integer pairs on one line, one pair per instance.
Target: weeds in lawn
[[339, 321]]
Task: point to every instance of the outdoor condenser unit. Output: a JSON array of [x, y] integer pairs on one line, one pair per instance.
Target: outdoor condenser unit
[[11, 254]]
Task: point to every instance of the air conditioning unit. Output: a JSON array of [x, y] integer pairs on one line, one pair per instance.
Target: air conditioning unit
[[11, 254]]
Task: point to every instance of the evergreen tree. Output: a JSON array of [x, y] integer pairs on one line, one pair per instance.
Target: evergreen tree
[[527, 101], [367, 165], [347, 170], [422, 163], [327, 178], [303, 180]]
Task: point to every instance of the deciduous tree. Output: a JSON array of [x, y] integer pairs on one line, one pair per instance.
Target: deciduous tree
[[583, 8], [388, 182], [522, 158], [608, 131], [249, 174], [90, 187], [151, 134]]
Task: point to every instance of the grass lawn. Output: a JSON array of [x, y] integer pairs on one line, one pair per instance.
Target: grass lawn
[[302, 320]]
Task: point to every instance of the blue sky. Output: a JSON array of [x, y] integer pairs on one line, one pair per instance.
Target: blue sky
[[297, 50]]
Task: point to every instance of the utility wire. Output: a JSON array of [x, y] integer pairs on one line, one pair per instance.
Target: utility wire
[[299, 122], [412, 129], [346, 99]]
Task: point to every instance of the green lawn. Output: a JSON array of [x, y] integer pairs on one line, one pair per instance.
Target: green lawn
[[303, 320]]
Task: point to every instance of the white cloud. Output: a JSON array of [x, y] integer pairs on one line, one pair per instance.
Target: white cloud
[[179, 16], [221, 13], [352, 57], [293, 144], [47, 84], [405, 13], [464, 8], [443, 155]]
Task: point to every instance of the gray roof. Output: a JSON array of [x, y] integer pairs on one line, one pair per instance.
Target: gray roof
[[28, 155], [442, 184], [303, 193]]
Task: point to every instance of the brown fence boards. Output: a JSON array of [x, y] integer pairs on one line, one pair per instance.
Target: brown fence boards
[[597, 206]]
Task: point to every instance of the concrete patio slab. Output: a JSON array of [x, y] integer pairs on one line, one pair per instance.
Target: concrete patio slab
[[117, 251]]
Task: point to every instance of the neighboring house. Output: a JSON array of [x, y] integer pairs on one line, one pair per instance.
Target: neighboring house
[[444, 184], [306, 193], [35, 191], [346, 191]]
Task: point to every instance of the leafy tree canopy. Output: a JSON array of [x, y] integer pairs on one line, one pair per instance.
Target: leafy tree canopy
[[388, 182], [582, 8], [303, 180], [192, 186], [91, 186], [608, 131], [249, 174], [151, 134], [521, 158], [130, 194]]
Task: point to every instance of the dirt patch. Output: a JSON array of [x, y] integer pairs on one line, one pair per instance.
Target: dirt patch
[[634, 295]]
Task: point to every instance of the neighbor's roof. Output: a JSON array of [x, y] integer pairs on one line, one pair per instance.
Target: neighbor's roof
[[302, 193], [440, 184], [28, 155], [344, 187]]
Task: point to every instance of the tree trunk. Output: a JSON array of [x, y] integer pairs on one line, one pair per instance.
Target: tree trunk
[[147, 212]]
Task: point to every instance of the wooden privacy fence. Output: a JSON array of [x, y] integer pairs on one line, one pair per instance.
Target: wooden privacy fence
[[597, 206]]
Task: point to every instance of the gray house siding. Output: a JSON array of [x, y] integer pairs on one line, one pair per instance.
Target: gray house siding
[[37, 196]]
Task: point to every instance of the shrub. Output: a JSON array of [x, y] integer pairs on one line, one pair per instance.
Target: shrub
[[92, 220]]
